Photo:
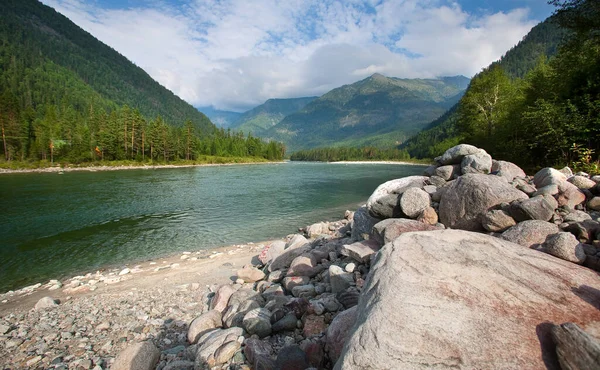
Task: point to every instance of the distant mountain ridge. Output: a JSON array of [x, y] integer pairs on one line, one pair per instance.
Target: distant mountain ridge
[[378, 110], [269, 114], [221, 118]]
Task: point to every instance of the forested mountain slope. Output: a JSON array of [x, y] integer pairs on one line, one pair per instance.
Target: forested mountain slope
[[378, 110], [65, 95], [441, 134], [268, 114]]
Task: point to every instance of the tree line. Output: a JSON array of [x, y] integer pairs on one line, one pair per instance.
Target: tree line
[[336, 154], [61, 133]]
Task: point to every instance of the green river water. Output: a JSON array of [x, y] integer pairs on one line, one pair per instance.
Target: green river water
[[54, 225]]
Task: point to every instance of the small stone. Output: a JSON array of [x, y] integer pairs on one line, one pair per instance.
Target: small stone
[[582, 182], [361, 251], [428, 216], [291, 358], [293, 281], [565, 246], [304, 291], [34, 361], [221, 297], [203, 324], [125, 271], [313, 325], [339, 279], [4, 329], [594, 204], [288, 322], [250, 274], [224, 353], [414, 201], [258, 321], [497, 220], [350, 267]]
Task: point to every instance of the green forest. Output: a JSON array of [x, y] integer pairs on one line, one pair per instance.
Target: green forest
[[534, 113], [65, 97], [336, 154]]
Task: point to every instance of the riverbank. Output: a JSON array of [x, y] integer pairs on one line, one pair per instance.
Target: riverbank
[[132, 166]]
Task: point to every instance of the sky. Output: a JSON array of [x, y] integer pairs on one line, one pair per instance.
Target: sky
[[235, 54]]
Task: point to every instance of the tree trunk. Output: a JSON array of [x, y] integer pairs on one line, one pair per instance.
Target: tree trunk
[[4, 143], [132, 138], [125, 140], [143, 147]]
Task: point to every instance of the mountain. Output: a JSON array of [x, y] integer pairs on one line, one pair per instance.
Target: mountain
[[45, 59], [267, 115], [443, 133], [221, 118], [381, 111]]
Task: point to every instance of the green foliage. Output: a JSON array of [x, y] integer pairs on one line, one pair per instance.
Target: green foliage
[[350, 154]]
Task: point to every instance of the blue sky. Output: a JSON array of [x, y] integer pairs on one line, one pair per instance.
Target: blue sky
[[235, 54]]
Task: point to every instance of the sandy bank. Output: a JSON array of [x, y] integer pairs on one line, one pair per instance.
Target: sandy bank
[[119, 168]]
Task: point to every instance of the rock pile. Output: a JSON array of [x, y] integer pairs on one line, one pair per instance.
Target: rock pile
[[390, 286]]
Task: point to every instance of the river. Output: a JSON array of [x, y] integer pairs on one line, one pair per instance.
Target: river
[[55, 225]]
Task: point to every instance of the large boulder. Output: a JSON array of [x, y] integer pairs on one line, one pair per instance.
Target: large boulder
[[479, 162], [569, 195], [530, 233], [468, 198], [456, 154], [362, 223], [508, 170], [382, 202], [548, 176], [450, 299], [338, 332]]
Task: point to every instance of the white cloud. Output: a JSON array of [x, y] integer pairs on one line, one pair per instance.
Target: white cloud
[[235, 54]]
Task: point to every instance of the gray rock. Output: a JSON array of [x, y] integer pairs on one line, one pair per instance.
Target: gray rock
[[272, 291], [291, 358], [582, 182], [497, 220], [258, 321], [536, 208], [577, 216], [362, 223], [444, 172], [304, 265], [414, 201], [388, 230], [295, 247], [456, 288], [430, 189], [456, 154], [46, 302], [289, 282], [479, 162], [548, 176], [361, 251], [378, 204], [569, 195], [594, 204], [271, 251], [257, 350], [508, 170], [210, 342], [469, 197], [339, 279], [138, 356], [314, 230], [304, 291], [436, 181], [531, 233], [225, 353], [240, 303], [339, 331], [565, 246], [429, 171], [250, 274], [551, 189], [4, 329], [221, 297], [287, 323], [204, 323]]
